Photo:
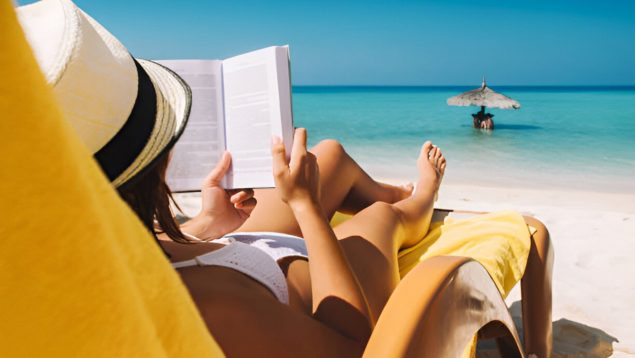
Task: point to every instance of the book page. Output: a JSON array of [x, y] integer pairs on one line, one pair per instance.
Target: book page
[[203, 141], [285, 125], [257, 97]]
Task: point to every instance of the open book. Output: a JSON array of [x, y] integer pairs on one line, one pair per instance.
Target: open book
[[238, 104]]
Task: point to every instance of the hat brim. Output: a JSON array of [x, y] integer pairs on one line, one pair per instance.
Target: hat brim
[[174, 100]]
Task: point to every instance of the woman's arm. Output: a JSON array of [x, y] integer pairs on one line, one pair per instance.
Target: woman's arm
[[338, 299]]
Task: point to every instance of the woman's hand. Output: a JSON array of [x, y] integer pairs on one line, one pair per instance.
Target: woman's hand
[[298, 180], [222, 211]]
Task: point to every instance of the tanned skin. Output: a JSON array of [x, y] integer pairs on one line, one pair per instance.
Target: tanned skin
[[335, 297]]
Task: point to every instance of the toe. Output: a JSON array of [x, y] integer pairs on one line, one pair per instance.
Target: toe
[[434, 157], [426, 148], [433, 153], [437, 154]]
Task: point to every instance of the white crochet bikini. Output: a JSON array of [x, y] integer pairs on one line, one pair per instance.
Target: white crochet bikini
[[254, 254]]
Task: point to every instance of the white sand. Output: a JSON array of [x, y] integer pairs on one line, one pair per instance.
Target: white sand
[[594, 274]]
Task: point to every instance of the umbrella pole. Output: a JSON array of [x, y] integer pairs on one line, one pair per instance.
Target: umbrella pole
[[482, 110]]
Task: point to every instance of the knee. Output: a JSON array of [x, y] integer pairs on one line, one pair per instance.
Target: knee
[[330, 148], [540, 238], [537, 224], [384, 210]]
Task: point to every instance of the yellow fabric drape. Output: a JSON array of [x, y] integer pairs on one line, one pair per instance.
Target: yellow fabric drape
[[499, 241], [79, 274]]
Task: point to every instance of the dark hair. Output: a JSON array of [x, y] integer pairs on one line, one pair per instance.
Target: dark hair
[[150, 197]]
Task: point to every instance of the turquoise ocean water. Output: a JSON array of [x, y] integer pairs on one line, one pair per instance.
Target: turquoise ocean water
[[562, 137]]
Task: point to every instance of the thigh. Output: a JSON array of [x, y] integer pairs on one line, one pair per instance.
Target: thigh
[[370, 241], [271, 214]]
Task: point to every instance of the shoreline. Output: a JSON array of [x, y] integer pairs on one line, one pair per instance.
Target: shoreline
[[610, 185], [499, 170], [571, 198]]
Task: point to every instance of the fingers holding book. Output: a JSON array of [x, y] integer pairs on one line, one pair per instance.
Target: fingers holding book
[[215, 177], [297, 180], [242, 199]]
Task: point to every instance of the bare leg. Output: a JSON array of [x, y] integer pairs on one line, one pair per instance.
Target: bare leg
[[372, 238], [536, 292], [344, 185]]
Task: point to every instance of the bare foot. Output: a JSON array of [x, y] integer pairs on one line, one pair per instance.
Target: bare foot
[[417, 210], [431, 165], [358, 199], [397, 193]]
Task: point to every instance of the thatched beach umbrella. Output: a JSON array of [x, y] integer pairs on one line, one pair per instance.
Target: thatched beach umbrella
[[483, 97]]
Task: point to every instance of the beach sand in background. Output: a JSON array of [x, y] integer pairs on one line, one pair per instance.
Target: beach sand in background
[[593, 285]]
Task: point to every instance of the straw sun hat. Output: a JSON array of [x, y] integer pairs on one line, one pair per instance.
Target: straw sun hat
[[127, 111]]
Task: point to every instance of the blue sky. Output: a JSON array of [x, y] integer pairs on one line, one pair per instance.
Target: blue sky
[[399, 42]]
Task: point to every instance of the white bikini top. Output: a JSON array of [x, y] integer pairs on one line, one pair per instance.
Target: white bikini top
[[276, 245], [255, 255]]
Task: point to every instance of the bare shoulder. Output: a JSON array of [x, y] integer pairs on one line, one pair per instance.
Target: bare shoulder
[[247, 320]]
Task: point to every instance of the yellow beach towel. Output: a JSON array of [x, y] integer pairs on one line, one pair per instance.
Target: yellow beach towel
[[79, 274], [499, 241]]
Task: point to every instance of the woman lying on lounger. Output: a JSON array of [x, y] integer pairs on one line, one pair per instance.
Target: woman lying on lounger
[[258, 292]]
